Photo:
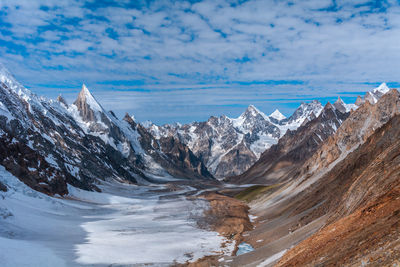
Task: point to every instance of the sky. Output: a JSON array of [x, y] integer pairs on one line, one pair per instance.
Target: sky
[[169, 61]]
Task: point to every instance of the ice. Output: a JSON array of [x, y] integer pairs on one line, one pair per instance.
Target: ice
[[123, 225], [244, 248]]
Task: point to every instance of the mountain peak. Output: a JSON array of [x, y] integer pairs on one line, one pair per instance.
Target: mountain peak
[[383, 88], [252, 108], [87, 104], [277, 115], [339, 100], [88, 98], [252, 111], [62, 100]]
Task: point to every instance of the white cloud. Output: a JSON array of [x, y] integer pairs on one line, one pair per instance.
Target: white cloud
[[211, 42]]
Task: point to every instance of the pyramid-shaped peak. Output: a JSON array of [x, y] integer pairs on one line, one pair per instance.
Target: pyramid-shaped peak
[[340, 105], [277, 115], [383, 88], [253, 111], [339, 100], [86, 97], [252, 108]]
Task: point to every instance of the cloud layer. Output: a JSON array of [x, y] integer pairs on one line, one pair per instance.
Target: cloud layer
[[177, 60]]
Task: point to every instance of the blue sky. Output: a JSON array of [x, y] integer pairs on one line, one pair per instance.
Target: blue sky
[[169, 61]]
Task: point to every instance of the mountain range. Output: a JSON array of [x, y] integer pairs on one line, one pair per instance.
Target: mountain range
[[322, 186]]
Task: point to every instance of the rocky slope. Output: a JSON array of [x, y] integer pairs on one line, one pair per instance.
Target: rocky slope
[[230, 146], [341, 206], [49, 144], [363, 205]]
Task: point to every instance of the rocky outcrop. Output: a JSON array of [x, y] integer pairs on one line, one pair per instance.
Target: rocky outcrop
[[236, 160], [182, 157], [3, 187]]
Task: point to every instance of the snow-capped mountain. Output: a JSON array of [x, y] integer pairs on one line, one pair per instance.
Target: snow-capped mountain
[[229, 146], [282, 160], [49, 144], [277, 115], [374, 95]]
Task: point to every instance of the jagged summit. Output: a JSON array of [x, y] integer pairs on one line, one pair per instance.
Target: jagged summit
[[249, 117], [277, 115], [374, 95], [383, 88], [252, 111], [340, 105], [305, 111], [62, 100], [129, 118]]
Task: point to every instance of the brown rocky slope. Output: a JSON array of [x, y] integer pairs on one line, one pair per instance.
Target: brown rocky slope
[[348, 190]]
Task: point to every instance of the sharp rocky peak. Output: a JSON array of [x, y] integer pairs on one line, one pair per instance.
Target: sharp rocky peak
[[62, 100], [87, 104], [129, 118], [340, 105]]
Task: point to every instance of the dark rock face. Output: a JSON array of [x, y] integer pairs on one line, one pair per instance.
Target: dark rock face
[[237, 159], [3, 187], [62, 100], [282, 160], [183, 157], [32, 168], [175, 157]]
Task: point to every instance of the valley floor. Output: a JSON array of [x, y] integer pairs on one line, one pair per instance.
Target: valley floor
[[123, 225]]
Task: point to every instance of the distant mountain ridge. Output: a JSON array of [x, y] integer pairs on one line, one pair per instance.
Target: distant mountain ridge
[[229, 146]]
